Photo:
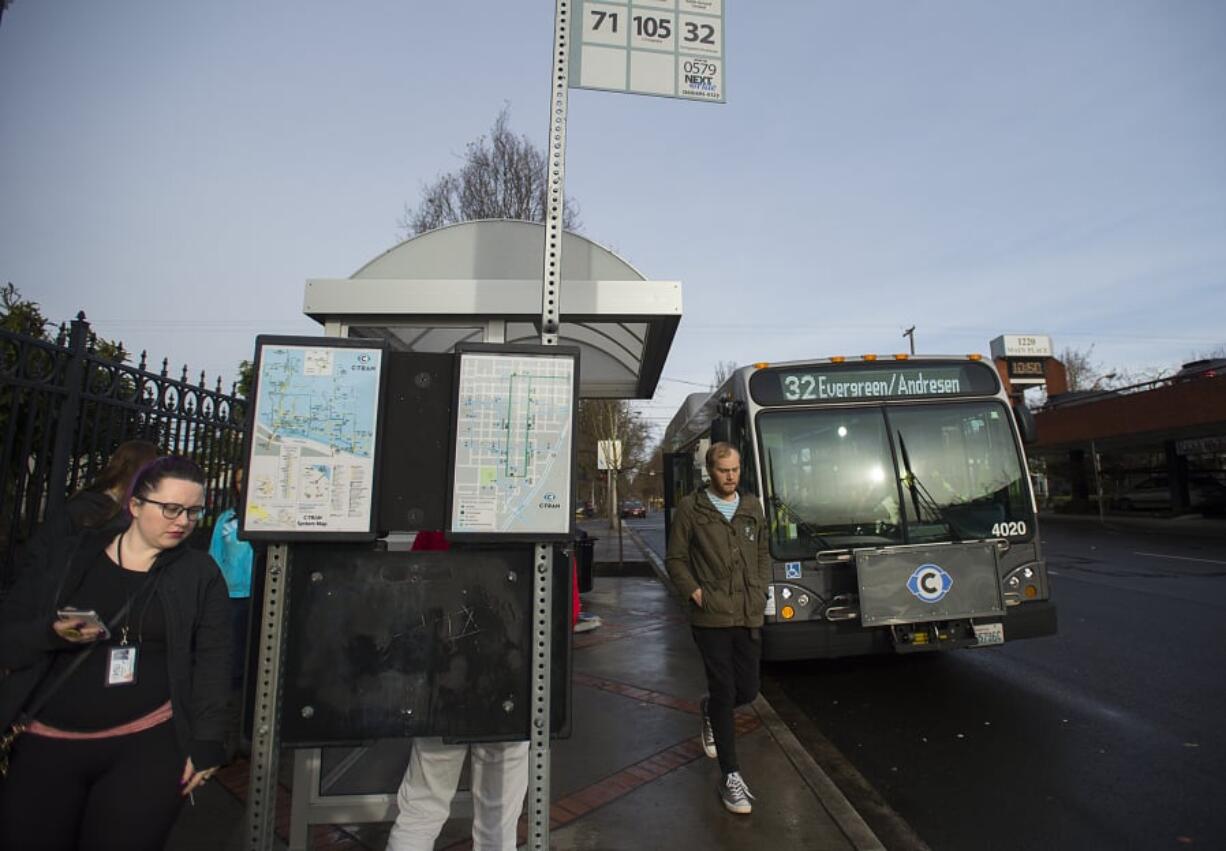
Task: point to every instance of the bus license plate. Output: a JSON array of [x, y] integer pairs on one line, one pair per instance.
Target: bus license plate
[[989, 633]]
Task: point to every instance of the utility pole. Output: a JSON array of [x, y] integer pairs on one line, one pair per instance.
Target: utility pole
[[910, 332]]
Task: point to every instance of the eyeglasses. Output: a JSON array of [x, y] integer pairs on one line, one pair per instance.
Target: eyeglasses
[[172, 510]]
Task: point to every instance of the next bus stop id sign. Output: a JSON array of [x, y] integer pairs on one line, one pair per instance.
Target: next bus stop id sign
[[671, 48]]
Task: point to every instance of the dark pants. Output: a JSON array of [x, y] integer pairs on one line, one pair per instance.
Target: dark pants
[[116, 793], [730, 655]]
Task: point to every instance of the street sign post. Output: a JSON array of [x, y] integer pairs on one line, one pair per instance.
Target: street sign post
[[671, 48]]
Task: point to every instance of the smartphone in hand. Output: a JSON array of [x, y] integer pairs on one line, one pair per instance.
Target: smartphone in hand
[[83, 618]]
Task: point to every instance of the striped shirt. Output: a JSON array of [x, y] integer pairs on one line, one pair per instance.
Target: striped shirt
[[726, 507]]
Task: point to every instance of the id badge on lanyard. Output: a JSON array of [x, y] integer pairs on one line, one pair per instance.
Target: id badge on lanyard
[[121, 664]]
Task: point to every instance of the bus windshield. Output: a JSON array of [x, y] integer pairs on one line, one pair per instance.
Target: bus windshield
[[856, 477]]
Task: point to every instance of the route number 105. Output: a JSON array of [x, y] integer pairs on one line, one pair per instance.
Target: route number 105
[[652, 27]]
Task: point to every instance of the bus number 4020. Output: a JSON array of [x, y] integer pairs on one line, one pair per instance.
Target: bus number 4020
[[1011, 529]]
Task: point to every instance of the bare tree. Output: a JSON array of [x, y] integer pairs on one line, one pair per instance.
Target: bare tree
[[1211, 354], [613, 419], [1079, 368], [503, 177], [723, 371], [1085, 373]]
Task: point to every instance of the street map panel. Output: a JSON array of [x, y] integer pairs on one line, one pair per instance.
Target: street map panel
[[313, 450], [514, 427]]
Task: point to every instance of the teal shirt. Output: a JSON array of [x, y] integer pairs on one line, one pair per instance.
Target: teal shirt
[[233, 556]]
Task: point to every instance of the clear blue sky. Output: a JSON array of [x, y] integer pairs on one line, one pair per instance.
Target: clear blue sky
[[178, 170]]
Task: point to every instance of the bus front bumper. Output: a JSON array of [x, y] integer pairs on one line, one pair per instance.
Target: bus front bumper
[[822, 639]]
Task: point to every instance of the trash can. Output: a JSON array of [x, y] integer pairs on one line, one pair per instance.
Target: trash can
[[585, 552]]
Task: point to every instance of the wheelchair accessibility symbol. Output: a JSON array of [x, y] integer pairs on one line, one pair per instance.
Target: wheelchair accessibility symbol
[[930, 583]]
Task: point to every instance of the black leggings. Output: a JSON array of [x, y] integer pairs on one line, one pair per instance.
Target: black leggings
[[73, 795], [731, 656]]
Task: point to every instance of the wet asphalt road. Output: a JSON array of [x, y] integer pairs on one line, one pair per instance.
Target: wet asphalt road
[[1111, 734]]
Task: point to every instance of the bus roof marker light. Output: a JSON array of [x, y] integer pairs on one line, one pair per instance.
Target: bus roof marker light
[[838, 359], [761, 365], [974, 357], [902, 356], [869, 358]]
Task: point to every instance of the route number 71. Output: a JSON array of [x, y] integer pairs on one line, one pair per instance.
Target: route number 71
[[601, 17]]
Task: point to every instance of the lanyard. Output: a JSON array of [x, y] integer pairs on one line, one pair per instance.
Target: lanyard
[[127, 609]]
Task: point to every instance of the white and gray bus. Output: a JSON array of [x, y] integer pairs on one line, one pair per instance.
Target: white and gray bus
[[900, 511]]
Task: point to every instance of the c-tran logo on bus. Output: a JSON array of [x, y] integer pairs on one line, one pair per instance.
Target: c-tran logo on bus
[[930, 583]]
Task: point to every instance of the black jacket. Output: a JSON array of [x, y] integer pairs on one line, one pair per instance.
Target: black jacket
[[198, 636]]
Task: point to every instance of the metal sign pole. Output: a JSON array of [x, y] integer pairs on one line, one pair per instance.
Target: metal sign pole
[[542, 591], [265, 733], [556, 177]]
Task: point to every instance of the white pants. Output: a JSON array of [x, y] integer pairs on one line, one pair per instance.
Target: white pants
[[499, 781]]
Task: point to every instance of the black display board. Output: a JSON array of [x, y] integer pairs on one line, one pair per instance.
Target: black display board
[[398, 644]]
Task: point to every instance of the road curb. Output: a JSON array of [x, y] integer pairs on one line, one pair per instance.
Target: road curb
[[657, 564], [853, 825]]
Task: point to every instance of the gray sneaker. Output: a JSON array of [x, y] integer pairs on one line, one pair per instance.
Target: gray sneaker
[[708, 735], [735, 794]]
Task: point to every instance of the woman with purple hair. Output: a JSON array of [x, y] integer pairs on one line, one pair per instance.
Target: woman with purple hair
[[114, 668]]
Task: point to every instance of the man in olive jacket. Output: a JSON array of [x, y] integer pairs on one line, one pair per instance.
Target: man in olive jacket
[[719, 562]]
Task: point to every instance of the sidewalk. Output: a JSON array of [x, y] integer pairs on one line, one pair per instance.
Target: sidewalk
[[632, 775]]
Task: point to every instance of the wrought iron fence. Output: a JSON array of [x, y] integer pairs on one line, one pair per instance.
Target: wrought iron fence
[[64, 408]]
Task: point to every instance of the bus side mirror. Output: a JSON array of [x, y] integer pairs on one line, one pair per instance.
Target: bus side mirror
[[1025, 423], [721, 430]]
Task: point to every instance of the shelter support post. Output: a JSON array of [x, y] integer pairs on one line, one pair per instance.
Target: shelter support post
[[542, 642]]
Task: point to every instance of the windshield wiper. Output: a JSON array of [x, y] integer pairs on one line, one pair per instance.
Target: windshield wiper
[[921, 498], [775, 500]]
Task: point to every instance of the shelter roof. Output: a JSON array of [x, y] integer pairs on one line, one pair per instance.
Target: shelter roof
[[481, 280]]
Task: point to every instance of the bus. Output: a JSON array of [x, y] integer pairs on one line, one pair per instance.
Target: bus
[[897, 498]]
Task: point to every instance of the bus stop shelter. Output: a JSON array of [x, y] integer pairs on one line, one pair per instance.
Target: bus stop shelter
[[477, 282]]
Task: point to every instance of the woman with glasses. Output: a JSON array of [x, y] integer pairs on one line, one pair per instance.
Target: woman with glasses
[[124, 714]]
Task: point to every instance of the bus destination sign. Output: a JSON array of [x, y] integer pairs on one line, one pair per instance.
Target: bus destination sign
[[837, 383]]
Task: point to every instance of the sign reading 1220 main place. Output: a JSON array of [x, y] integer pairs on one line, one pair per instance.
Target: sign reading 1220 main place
[[672, 48]]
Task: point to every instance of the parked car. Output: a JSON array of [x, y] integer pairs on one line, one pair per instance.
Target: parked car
[[1205, 368], [585, 510], [633, 508], [1154, 492]]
